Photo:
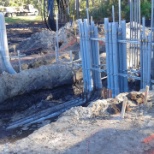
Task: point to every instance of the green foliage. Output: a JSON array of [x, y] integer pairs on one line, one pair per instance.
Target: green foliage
[[104, 9], [146, 9], [97, 8], [6, 3]]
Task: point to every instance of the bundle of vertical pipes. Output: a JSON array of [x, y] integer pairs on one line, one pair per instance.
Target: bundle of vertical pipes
[[140, 52], [135, 29], [120, 63], [90, 56], [115, 56], [152, 50], [145, 56], [91, 60]]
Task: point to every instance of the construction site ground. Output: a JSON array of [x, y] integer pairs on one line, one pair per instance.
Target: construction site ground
[[90, 130], [97, 128]]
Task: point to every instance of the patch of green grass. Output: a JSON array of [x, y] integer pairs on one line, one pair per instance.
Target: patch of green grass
[[23, 19]]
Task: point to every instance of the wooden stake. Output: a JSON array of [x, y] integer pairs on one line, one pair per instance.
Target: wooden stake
[[109, 93], [105, 93], [124, 104], [146, 94]]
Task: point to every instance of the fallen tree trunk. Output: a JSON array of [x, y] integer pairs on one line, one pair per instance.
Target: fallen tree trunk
[[44, 77]]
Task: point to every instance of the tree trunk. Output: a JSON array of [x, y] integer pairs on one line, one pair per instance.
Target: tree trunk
[[44, 77]]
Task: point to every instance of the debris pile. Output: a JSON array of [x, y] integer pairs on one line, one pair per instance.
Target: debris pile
[[45, 41], [137, 97], [95, 109], [104, 107]]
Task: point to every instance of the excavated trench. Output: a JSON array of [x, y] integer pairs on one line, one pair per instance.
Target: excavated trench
[[32, 104]]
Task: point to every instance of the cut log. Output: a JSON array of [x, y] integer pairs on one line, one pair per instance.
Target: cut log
[[44, 77]]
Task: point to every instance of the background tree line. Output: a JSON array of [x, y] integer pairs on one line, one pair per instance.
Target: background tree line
[[97, 8]]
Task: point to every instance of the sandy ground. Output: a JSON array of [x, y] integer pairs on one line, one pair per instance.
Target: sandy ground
[[90, 130]]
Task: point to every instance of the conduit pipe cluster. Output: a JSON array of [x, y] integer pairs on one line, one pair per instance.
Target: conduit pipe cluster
[[90, 55], [121, 63], [122, 57], [146, 48], [111, 43]]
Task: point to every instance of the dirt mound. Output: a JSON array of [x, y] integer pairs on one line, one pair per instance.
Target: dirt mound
[[95, 109], [45, 41]]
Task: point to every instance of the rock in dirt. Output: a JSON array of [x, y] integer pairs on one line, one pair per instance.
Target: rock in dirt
[[138, 97]]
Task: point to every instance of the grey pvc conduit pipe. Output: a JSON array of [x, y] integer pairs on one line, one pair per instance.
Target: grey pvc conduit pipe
[[4, 51]]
